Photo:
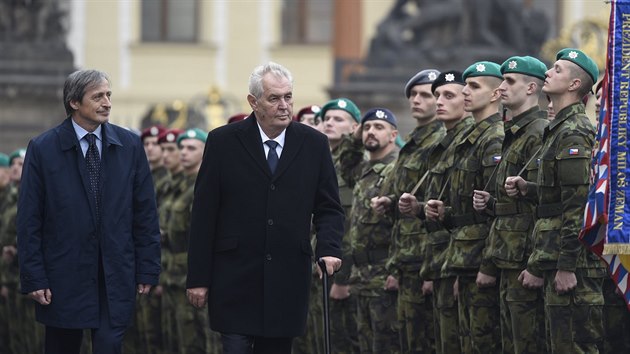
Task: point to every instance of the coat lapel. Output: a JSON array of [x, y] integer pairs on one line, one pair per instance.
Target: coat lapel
[[70, 144], [292, 144], [250, 138]]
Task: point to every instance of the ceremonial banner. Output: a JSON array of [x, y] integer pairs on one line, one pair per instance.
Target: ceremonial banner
[[606, 228]]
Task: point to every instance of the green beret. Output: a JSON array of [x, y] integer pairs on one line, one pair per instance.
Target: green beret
[[21, 152], [194, 133], [4, 160], [483, 68], [343, 104], [526, 65], [582, 60]]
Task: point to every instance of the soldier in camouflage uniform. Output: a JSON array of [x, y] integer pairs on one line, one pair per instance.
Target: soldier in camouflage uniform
[[5, 191], [21, 310], [340, 118], [370, 233], [408, 248], [447, 89], [312, 342], [509, 243], [193, 331], [145, 333], [153, 151], [476, 157], [571, 276], [166, 190]]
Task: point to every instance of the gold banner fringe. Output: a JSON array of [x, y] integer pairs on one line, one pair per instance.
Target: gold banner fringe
[[616, 248]]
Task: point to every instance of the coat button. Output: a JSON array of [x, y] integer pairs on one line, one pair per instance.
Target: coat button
[[268, 257], [270, 222], [273, 187]]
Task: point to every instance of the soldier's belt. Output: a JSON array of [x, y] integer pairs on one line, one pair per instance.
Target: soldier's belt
[[503, 209], [369, 257], [548, 210], [467, 219]]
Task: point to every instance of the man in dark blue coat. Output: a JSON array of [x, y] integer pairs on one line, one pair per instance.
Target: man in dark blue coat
[[260, 183], [88, 235]]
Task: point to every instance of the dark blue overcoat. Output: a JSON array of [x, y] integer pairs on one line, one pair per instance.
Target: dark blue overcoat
[[59, 240]]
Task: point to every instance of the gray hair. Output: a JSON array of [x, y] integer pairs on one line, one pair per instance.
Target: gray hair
[[255, 79], [77, 83]]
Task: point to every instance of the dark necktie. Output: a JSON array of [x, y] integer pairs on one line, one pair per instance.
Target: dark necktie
[[93, 162], [272, 156]]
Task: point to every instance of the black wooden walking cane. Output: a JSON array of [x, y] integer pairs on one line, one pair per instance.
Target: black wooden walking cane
[[322, 266]]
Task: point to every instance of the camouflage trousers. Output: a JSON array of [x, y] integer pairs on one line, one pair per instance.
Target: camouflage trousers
[[343, 325], [574, 319], [479, 315], [446, 317], [4, 326], [616, 320], [415, 315], [378, 323], [149, 308], [312, 342], [167, 323], [26, 334], [193, 328], [522, 316]]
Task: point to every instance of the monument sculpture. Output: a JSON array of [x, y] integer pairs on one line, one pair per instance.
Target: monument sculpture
[[445, 34], [34, 62]]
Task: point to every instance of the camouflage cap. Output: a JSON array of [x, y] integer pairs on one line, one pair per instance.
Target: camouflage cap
[[526, 65], [424, 77], [343, 104], [4, 160], [21, 152], [152, 131], [380, 114], [169, 136], [447, 77], [483, 68], [582, 60], [194, 133]]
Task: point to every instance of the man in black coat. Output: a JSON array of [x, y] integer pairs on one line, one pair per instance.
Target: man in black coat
[[261, 182]]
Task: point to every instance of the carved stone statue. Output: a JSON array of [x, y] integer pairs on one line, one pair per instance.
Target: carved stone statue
[[436, 32]]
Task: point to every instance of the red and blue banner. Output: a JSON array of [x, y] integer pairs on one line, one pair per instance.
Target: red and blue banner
[[606, 228]]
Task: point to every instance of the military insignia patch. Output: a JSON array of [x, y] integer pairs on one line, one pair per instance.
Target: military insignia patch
[[573, 54], [481, 68], [513, 64], [574, 151], [496, 158], [432, 76], [342, 104], [449, 77], [380, 114]]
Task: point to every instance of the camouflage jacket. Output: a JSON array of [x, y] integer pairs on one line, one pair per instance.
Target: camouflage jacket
[[157, 174], [346, 157], [177, 233], [167, 190], [510, 239], [476, 158], [407, 252], [9, 272], [370, 233], [562, 184], [441, 162]]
